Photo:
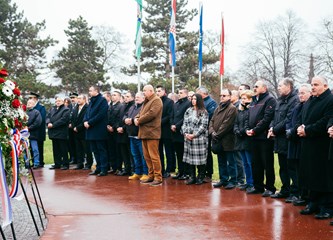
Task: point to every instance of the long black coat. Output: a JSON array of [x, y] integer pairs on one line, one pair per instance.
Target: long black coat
[[34, 123], [114, 117], [242, 141], [42, 129], [179, 109], [315, 165], [283, 111], [77, 121], [59, 119], [97, 118], [294, 142], [330, 153], [167, 112]]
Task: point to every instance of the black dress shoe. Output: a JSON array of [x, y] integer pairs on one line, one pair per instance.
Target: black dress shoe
[[64, 168], [309, 210], [93, 173], [182, 177], [190, 181], [177, 176], [252, 190], [331, 223], [166, 175], [54, 167], [219, 184], [323, 215], [78, 167], [300, 202], [87, 168], [199, 181], [229, 186], [102, 174], [279, 195]]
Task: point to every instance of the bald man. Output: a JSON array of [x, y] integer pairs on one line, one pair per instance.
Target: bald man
[[149, 122]]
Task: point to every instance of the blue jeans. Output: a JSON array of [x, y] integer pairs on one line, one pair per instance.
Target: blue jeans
[[247, 161], [35, 152], [227, 167], [140, 165]]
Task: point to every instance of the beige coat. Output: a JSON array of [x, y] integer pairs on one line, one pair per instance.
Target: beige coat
[[150, 118]]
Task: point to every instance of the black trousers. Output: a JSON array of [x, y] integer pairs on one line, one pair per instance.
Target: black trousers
[[179, 149], [166, 144], [322, 200], [41, 152], [293, 165], [82, 152], [125, 157], [209, 165], [284, 174], [60, 152], [71, 146], [263, 165], [112, 152]]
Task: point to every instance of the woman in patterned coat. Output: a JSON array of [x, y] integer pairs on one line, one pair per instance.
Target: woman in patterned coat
[[195, 131]]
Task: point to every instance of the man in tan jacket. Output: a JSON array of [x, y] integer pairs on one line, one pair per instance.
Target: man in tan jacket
[[149, 122]]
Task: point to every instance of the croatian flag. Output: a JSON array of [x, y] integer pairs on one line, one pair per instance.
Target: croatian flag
[[200, 38], [172, 34]]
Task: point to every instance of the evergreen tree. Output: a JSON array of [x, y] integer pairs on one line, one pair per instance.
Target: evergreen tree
[[80, 64]]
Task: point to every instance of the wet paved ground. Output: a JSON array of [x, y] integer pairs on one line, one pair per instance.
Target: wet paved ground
[[112, 207]]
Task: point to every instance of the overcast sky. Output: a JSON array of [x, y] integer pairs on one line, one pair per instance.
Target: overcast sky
[[241, 17]]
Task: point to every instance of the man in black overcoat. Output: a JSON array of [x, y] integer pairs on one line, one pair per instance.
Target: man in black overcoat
[[166, 135], [95, 121], [177, 119], [315, 164]]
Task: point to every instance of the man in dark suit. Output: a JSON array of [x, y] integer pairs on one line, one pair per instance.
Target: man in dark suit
[[315, 163], [41, 130], [95, 121], [261, 113], [177, 119], [72, 150], [166, 135], [57, 124], [80, 134], [114, 120]]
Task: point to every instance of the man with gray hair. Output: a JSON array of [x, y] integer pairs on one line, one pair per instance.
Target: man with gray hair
[[283, 111], [261, 113], [315, 164], [210, 106], [297, 194]]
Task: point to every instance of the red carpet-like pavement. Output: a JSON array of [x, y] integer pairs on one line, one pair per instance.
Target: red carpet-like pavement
[[79, 206]]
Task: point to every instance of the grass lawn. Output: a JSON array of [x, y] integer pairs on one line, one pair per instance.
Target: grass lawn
[[48, 158]]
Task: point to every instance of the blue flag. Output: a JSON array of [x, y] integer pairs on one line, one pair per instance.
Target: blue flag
[[200, 37]]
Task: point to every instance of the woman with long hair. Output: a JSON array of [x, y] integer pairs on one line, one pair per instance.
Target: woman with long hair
[[195, 131]]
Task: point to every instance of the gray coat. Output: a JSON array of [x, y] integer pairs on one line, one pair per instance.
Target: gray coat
[[195, 151]]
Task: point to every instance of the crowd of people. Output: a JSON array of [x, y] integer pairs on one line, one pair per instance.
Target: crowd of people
[[132, 134]]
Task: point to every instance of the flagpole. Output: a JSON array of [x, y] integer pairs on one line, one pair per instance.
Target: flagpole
[[221, 83], [173, 79], [139, 74], [199, 78]]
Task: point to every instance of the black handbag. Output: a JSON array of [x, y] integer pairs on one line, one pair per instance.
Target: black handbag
[[217, 146]]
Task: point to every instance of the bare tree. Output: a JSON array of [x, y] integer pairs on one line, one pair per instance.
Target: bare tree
[[275, 51], [324, 48], [112, 44]]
